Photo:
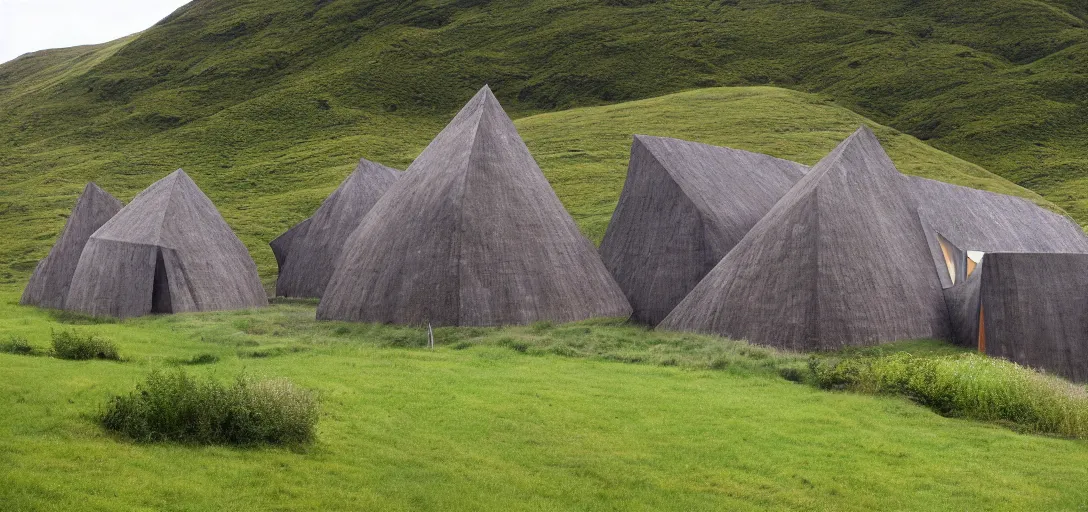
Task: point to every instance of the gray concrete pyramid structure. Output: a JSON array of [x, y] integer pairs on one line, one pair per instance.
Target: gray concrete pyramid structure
[[1029, 308], [683, 208], [48, 286], [840, 260], [471, 235], [975, 220], [311, 251], [168, 251]]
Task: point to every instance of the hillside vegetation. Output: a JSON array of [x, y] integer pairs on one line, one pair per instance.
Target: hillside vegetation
[[260, 97], [583, 152]]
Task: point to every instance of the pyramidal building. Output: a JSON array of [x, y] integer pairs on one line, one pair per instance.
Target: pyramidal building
[[48, 286], [840, 260], [684, 206], [471, 235], [168, 251], [310, 250]]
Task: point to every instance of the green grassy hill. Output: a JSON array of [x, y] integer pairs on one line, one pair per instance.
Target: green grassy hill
[[584, 151], [261, 97]]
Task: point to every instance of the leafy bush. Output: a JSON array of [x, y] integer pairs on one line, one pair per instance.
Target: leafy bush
[[17, 345], [177, 407], [80, 347], [969, 386]]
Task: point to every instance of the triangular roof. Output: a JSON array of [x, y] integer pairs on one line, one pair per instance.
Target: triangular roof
[[684, 206], [312, 255], [976, 220], [840, 260], [472, 234], [48, 286], [174, 222]]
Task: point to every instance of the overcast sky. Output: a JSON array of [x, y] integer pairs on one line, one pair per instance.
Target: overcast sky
[[32, 25]]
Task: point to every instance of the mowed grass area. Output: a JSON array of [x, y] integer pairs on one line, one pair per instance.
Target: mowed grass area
[[494, 419], [265, 188]]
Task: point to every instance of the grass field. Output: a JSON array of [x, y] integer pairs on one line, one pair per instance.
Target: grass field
[[541, 417]]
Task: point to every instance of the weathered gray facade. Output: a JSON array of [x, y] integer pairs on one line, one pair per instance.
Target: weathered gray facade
[[1029, 308], [472, 234], [312, 250], [281, 245], [683, 208], [840, 260], [168, 251], [48, 286]]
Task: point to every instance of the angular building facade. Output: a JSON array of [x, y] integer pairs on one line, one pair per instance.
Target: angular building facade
[[48, 286], [471, 235], [310, 249], [841, 260], [1029, 308], [168, 251], [683, 208]]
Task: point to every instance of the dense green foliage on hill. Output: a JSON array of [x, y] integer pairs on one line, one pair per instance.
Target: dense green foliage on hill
[[236, 90]]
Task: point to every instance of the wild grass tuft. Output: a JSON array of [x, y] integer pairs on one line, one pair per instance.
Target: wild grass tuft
[[16, 345], [174, 406], [969, 386], [81, 347]]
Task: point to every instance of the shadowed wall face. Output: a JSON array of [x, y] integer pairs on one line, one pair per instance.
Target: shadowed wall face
[[1036, 310], [311, 249], [471, 235], [52, 279], [170, 240], [683, 207]]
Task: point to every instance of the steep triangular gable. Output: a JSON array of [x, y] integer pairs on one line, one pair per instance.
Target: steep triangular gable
[[840, 260], [684, 206], [472, 235], [48, 286], [313, 254]]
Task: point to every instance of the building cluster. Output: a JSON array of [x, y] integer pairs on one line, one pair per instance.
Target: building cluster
[[849, 252]]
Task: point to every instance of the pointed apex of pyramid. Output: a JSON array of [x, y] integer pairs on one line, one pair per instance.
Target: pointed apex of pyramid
[[483, 98], [370, 168], [93, 193], [860, 152], [180, 174], [93, 188], [865, 131]]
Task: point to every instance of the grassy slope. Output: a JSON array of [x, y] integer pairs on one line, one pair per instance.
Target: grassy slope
[[583, 152], [489, 428], [235, 89]]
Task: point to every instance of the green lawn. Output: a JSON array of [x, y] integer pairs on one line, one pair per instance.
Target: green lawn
[[484, 422]]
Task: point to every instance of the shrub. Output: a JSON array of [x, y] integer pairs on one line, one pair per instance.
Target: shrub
[[177, 407], [968, 385], [72, 345], [17, 345], [203, 359]]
